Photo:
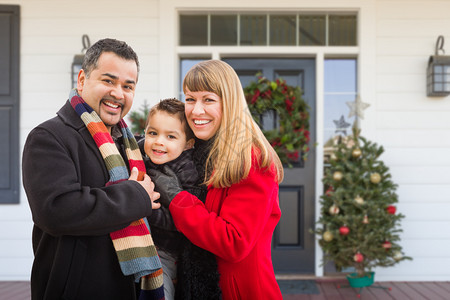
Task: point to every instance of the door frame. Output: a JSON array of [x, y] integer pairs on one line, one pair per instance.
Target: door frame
[[170, 53]]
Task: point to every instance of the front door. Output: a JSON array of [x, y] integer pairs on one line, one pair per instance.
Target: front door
[[293, 244]]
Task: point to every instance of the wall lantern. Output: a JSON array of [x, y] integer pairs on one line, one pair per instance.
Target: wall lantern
[[438, 72], [78, 60]]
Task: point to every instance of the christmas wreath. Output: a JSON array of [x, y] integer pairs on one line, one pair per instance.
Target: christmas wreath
[[290, 140]]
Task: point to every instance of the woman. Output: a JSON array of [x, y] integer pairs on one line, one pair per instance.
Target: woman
[[242, 173]]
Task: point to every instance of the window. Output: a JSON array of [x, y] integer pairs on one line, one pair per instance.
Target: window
[[272, 29], [185, 65], [253, 30], [312, 30], [194, 30], [339, 88], [223, 30], [341, 30], [283, 30]]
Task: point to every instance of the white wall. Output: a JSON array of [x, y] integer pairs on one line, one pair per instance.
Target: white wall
[[51, 32], [400, 35], [415, 131]]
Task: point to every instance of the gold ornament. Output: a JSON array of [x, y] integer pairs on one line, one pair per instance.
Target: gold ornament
[[356, 152], [398, 255], [366, 220], [359, 200], [334, 210], [337, 176], [327, 236], [375, 178]]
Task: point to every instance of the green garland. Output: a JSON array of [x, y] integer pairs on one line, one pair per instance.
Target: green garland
[[291, 140]]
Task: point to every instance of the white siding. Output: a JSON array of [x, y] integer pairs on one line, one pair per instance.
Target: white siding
[[398, 36], [415, 132], [50, 36]]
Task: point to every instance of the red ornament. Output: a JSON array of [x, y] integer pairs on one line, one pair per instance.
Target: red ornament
[[387, 245], [358, 257], [344, 230], [255, 96], [329, 191], [391, 209]]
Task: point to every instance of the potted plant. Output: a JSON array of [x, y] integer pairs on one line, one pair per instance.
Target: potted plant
[[359, 223]]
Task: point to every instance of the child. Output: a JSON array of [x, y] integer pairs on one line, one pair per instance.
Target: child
[[168, 142]]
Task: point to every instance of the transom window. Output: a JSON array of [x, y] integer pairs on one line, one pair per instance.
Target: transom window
[[267, 29]]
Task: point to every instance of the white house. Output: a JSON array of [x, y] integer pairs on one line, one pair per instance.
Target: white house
[[378, 49]]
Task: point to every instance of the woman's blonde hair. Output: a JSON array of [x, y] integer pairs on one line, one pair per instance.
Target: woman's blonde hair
[[230, 156]]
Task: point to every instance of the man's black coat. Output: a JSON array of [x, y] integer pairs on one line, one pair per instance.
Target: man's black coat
[[64, 177]]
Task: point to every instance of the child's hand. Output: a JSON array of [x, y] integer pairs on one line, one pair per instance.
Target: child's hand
[[148, 185]]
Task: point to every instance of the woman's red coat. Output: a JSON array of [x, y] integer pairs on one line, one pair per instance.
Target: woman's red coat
[[236, 224]]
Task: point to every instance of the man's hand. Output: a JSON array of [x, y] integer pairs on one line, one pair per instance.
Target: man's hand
[[148, 185], [167, 184]]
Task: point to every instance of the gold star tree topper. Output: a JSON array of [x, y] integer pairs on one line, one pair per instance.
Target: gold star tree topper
[[357, 107]]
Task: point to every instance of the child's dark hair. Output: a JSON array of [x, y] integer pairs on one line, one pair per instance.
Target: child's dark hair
[[173, 107]]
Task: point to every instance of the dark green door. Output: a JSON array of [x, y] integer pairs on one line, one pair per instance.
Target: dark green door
[[293, 245]]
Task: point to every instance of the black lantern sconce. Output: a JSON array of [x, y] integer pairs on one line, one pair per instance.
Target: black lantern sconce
[[438, 72], [78, 60]]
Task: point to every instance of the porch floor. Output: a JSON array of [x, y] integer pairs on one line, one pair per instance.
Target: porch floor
[[337, 289], [330, 289]]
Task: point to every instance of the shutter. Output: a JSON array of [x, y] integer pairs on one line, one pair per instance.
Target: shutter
[[9, 103]]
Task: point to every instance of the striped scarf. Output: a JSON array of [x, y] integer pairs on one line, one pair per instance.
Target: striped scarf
[[134, 245]]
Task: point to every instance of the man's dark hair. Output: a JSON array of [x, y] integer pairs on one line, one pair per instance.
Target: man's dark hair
[[119, 48], [173, 107]]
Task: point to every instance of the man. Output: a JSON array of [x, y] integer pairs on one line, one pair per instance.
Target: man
[[74, 200]]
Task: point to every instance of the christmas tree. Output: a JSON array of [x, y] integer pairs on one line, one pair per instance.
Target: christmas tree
[[138, 119], [360, 225]]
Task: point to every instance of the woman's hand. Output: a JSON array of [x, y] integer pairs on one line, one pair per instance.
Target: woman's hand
[[166, 183]]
